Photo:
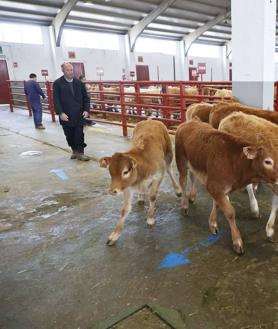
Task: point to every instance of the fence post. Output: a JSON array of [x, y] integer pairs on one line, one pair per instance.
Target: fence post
[[10, 95], [137, 99], [276, 96], [123, 109], [50, 100], [183, 102], [165, 102], [26, 100]]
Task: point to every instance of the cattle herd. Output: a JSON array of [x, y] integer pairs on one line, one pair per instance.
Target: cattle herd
[[227, 146]]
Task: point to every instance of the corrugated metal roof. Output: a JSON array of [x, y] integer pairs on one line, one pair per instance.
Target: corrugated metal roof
[[118, 16]]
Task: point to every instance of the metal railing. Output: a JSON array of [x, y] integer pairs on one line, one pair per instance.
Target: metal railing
[[18, 99], [125, 103], [130, 101]]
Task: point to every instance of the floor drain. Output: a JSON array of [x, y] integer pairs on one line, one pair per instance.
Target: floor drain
[[143, 318], [149, 316]]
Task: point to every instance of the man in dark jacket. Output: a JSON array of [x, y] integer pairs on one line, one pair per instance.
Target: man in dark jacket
[[72, 104], [33, 92]]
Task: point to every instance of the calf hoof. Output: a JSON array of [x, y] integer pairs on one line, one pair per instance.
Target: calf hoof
[[178, 194], [113, 238], [255, 213], [270, 233], [214, 229], [110, 242], [150, 222], [192, 199], [271, 239], [238, 249], [141, 202], [186, 211]]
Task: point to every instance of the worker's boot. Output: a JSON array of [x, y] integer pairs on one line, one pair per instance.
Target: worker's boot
[[74, 154], [81, 156]]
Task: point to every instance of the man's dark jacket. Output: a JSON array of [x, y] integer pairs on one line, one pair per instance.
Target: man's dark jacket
[[72, 104]]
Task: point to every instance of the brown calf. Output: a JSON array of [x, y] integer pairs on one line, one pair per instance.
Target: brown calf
[[145, 163], [254, 130], [201, 110], [220, 112], [223, 163]]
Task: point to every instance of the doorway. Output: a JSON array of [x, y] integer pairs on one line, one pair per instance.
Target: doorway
[[193, 74], [142, 72], [78, 69], [4, 87]]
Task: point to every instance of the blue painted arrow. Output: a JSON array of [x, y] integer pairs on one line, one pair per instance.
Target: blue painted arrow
[[60, 173], [174, 259]]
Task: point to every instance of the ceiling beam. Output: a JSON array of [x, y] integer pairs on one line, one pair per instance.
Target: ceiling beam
[[60, 19], [138, 28], [228, 45], [191, 37]]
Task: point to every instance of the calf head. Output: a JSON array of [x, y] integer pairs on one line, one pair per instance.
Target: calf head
[[122, 169], [264, 162]]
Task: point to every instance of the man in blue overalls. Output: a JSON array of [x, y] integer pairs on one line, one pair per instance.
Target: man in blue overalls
[[33, 92]]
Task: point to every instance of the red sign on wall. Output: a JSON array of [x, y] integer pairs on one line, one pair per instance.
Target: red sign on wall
[[44, 73], [202, 68], [194, 73]]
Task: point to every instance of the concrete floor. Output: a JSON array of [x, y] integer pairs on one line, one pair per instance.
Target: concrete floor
[[57, 272]]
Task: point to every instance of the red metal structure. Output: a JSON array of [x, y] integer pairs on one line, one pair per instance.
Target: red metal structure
[[132, 101], [18, 99], [125, 103]]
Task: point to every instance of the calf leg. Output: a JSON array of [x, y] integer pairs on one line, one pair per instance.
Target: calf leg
[[182, 168], [141, 193], [193, 190], [114, 236], [173, 180], [213, 225], [272, 217], [229, 212], [152, 198], [253, 201]]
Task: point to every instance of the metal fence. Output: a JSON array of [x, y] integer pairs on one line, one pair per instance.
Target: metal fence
[[124, 103]]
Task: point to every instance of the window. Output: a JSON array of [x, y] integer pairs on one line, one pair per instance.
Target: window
[[20, 33], [31, 34], [200, 50], [84, 39], [74, 38], [148, 45]]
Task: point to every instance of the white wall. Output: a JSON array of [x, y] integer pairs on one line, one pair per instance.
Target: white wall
[[30, 58], [34, 58]]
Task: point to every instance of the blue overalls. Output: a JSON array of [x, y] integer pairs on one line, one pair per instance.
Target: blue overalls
[[33, 92]]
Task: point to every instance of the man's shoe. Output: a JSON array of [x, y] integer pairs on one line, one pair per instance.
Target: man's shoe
[[74, 155], [82, 157], [40, 127]]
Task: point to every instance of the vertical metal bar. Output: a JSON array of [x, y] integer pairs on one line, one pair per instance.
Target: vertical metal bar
[[137, 98], [276, 97], [183, 101], [50, 100], [174, 68], [10, 96], [123, 109]]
